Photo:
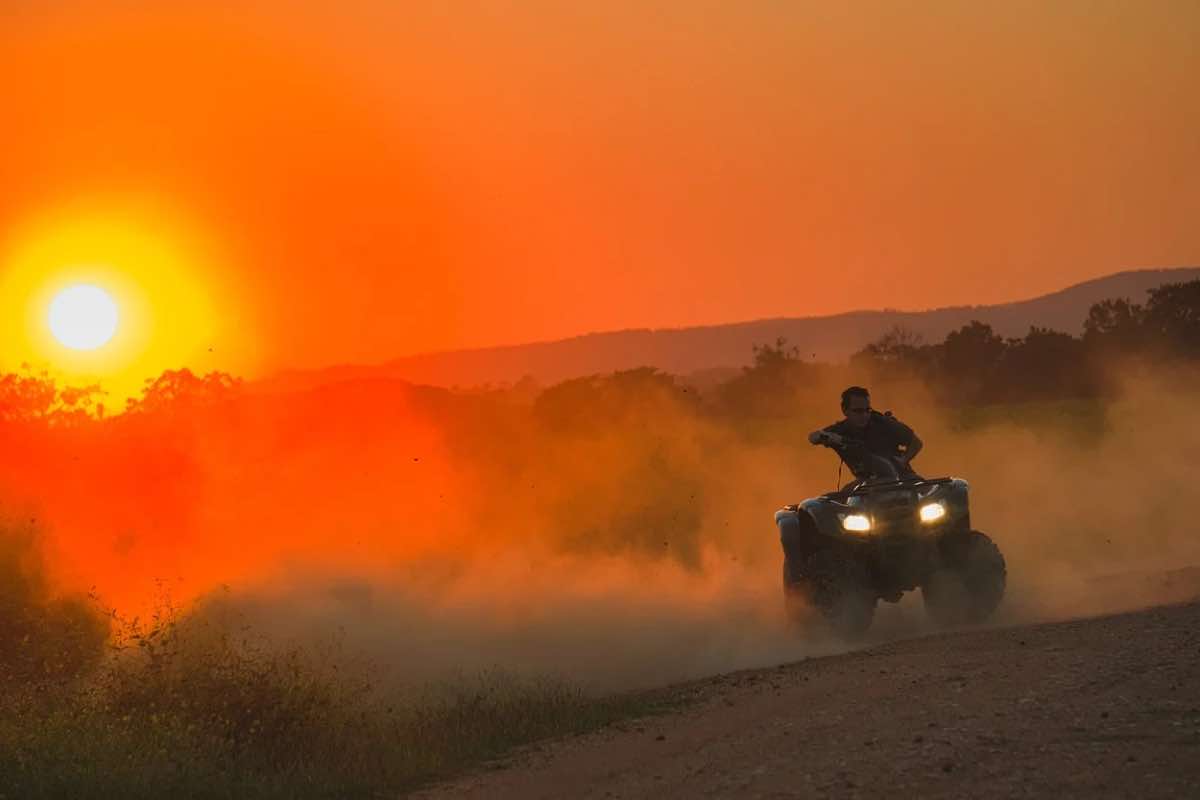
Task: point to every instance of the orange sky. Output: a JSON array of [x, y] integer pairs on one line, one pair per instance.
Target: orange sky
[[360, 180]]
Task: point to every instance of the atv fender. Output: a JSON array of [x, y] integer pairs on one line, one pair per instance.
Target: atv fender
[[794, 533], [825, 516], [799, 532]]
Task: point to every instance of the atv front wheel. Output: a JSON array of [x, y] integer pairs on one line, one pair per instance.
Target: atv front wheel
[[839, 588], [970, 584], [797, 594]]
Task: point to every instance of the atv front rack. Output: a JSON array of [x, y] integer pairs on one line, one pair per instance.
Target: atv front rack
[[885, 486]]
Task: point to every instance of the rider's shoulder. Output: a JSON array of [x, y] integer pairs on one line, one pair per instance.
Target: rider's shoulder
[[887, 418]]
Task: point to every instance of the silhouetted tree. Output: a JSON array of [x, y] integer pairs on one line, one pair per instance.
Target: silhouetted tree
[[30, 396], [1115, 326], [599, 402], [177, 390], [1172, 315], [900, 351], [1167, 325], [975, 347], [1046, 364], [1112, 316], [968, 362], [769, 387]]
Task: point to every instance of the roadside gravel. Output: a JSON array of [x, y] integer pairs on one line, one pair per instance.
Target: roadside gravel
[[1108, 707]]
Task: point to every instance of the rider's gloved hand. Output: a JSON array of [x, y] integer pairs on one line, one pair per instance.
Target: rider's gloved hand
[[825, 437]]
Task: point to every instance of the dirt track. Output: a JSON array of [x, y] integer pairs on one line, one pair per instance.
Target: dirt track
[[1107, 706]]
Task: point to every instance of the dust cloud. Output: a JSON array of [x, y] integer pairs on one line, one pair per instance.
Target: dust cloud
[[617, 532]]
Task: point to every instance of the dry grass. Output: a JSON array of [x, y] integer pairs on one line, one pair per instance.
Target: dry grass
[[194, 705]]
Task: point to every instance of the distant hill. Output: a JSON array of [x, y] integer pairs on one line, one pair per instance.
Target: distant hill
[[683, 351]]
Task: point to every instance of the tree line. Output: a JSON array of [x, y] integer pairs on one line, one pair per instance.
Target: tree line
[[975, 365], [972, 365]]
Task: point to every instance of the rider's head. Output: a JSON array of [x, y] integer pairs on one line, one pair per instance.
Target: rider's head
[[856, 405]]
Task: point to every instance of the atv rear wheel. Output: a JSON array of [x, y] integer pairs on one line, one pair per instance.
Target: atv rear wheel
[[969, 586], [838, 587]]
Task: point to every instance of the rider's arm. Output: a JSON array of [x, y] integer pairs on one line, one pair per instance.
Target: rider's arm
[[914, 447], [905, 437]]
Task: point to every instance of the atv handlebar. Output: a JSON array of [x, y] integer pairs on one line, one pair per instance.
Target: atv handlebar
[[864, 464], [864, 487]]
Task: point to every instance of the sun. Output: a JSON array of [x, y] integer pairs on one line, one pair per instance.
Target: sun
[[112, 296], [83, 317]]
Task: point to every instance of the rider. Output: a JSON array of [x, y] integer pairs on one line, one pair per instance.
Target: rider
[[872, 444]]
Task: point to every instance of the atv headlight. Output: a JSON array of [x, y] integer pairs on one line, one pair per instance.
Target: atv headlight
[[856, 522], [932, 512]]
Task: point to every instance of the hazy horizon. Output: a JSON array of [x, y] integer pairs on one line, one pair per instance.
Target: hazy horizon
[[849, 311]]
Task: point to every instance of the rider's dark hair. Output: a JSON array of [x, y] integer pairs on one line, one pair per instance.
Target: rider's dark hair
[[854, 391]]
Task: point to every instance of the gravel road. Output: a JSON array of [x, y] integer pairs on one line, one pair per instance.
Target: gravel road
[[1107, 706]]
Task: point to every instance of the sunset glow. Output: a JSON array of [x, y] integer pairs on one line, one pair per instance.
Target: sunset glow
[[114, 298], [423, 179]]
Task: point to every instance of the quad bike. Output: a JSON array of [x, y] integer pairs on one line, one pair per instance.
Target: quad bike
[[881, 536]]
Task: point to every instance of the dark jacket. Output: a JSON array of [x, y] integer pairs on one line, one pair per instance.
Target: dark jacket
[[883, 435]]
